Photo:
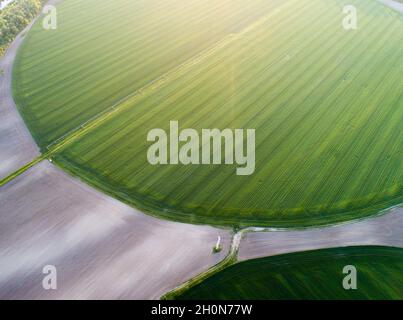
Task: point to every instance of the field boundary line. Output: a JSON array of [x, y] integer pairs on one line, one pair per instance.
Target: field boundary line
[[21, 170]]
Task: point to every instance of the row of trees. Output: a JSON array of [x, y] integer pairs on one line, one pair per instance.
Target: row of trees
[[15, 17]]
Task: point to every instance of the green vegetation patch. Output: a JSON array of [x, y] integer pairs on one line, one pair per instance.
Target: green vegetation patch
[[326, 104], [308, 275], [104, 50]]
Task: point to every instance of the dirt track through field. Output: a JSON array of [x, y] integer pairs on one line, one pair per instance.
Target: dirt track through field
[[383, 230], [17, 147]]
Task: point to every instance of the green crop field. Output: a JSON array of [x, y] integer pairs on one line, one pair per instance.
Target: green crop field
[[326, 104], [308, 275], [104, 50]]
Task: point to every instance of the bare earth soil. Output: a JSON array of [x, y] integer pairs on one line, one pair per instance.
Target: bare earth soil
[[393, 4], [102, 249], [384, 230]]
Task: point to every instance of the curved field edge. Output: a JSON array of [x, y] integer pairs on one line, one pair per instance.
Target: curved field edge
[[318, 215], [26, 34], [308, 218], [306, 275]]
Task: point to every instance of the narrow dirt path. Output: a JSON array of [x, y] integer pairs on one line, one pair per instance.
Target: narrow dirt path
[[382, 230], [17, 147]]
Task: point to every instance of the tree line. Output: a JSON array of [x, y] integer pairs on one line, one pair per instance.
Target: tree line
[[15, 17]]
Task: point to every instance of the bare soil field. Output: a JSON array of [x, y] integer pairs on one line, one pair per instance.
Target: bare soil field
[[383, 230], [102, 249]]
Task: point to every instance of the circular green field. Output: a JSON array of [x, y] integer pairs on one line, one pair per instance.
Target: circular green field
[[308, 275], [326, 104]]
